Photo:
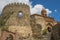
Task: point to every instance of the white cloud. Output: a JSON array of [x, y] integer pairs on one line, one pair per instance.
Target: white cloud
[[48, 11], [36, 9]]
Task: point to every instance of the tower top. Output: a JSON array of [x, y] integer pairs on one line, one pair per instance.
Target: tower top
[[44, 12]]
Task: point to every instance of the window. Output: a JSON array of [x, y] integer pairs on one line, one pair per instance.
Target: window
[[49, 29], [20, 14]]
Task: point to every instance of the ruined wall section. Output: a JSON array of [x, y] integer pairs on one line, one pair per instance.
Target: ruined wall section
[[50, 22], [38, 25]]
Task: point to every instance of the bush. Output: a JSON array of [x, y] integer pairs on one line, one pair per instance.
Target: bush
[[44, 32]]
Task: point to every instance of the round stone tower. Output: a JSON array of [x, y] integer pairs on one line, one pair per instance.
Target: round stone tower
[[17, 17], [19, 14]]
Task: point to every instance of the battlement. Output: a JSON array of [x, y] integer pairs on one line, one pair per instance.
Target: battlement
[[16, 5]]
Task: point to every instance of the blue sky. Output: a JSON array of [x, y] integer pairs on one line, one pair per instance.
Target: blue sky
[[53, 5]]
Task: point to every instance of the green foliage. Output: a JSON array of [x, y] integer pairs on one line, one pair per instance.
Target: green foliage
[[44, 32], [2, 23], [4, 19], [4, 28]]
